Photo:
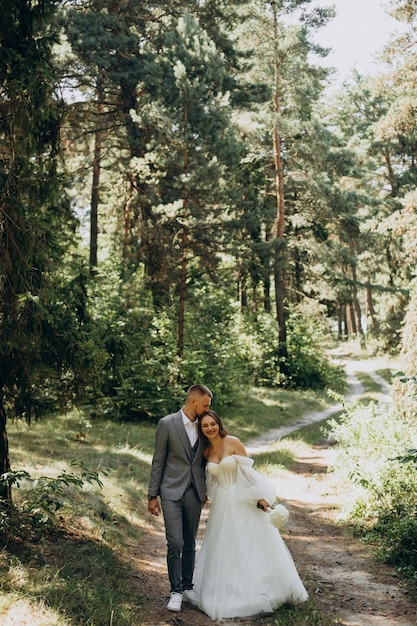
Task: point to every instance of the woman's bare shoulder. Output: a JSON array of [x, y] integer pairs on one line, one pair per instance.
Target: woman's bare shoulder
[[235, 445]]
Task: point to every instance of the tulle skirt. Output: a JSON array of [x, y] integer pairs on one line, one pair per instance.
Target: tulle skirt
[[244, 567]]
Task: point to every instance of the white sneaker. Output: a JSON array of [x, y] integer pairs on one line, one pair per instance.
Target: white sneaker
[[175, 601], [189, 595]]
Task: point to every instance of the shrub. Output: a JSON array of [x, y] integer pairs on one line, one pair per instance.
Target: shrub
[[396, 532], [43, 498], [374, 440], [307, 366]]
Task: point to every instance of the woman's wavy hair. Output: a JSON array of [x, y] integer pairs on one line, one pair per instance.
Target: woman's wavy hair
[[217, 419]]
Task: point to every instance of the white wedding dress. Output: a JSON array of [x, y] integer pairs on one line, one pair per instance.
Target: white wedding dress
[[243, 567]]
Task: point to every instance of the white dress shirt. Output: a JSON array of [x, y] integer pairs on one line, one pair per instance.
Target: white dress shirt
[[191, 428]]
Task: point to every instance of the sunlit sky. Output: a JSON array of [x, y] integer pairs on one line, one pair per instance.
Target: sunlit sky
[[359, 31]]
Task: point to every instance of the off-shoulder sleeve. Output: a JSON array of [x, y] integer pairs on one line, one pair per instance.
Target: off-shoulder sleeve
[[253, 486]]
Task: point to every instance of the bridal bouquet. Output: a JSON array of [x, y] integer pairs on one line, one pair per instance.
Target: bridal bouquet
[[278, 516]]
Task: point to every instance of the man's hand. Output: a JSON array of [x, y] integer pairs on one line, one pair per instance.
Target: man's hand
[[154, 506]]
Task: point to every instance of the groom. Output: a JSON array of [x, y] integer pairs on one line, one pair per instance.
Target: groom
[[178, 478]]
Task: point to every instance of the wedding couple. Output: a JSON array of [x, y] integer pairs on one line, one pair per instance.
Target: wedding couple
[[244, 567]]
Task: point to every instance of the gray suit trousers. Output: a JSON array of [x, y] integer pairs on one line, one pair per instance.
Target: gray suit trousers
[[181, 518]]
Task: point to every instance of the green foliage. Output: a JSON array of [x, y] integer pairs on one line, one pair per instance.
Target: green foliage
[[392, 326], [129, 358], [43, 498], [374, 440], [144, 378], [259, 337], [409, 334], [213, 351], [408, 457], [47, 354], [200, 186], [222, 350], [396, 535], [65, 356], [306, 367], [123, 352], [140, 371], [147, 385]]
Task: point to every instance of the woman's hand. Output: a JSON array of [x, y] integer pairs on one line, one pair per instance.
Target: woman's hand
[[263, 504]]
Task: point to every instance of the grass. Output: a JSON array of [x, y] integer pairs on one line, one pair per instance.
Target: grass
[[299, 616], [387, 374], [78, 574], [261, 410], [68, 579]]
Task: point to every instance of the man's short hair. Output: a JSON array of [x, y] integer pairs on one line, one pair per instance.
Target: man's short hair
[[199, 390]]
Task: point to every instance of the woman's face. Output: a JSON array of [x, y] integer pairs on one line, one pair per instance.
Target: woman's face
[[209, 426]]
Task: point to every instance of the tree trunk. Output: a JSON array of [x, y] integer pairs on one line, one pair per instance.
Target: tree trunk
[[357, 308], [371, 311], [5, 489], [127, 222], [279, 260], [280, 299], [243, 295], [265, 256], [95, 192], [183, 291], [339, 311], [267, 294], [391, 175], [298, 271], [350, 320], [184, 244]]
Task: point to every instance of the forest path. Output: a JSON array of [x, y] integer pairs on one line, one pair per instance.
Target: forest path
[[338, 571], [356, 389]]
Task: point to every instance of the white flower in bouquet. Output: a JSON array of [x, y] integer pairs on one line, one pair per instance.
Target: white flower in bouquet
[[278, 516]]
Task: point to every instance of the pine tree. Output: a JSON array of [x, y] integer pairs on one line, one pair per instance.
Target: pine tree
[[188, 158], [283, 133], [40, 317], [29, 134]]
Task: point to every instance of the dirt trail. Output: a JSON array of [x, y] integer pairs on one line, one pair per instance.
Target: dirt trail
[[338, 571]]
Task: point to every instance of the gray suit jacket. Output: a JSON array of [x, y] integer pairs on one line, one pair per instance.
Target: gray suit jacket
[[173, 464]]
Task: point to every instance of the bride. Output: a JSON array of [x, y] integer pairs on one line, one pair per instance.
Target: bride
[[244, 567]]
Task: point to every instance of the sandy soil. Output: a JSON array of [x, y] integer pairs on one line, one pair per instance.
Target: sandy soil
[[339, 572]]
